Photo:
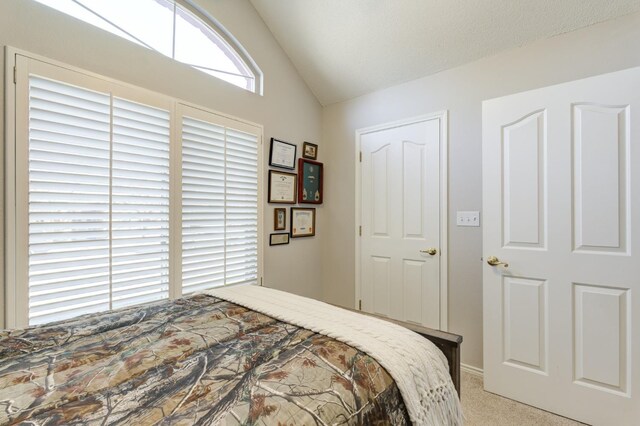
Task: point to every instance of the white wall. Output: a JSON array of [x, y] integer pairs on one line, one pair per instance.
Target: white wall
[[287, 110], [598, 49]]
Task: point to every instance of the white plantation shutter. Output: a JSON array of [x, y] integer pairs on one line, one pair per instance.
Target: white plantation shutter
[[69, 155], [219, 205], [241, 213], [113, 205], [140, 203], [203, 244], [98, 202]]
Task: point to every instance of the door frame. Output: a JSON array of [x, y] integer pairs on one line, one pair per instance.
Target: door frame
[[444, 203]]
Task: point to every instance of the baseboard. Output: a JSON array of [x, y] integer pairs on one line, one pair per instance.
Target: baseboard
[[471, 369]]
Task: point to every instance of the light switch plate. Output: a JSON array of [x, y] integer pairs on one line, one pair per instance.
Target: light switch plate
[[468, 219]]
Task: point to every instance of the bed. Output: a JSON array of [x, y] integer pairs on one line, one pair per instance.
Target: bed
[[241, 355]]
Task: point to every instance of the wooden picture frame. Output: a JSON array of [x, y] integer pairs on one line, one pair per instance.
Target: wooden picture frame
[[279, 219], [310, 180], [310, 150], [303, 222], [279, 239], [282, 154], [282, 187]]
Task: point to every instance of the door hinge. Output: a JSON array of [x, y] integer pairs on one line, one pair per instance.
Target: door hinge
[[361, 156], [359, 305], [360, 230], [15, 75]]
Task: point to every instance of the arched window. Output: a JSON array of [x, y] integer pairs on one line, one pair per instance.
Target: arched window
[[176, 28]]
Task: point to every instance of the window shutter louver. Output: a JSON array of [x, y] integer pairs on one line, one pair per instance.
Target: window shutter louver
[[69, 156], [98, 202], [203, 244], [140, 203], [219, 206], [241, 208]]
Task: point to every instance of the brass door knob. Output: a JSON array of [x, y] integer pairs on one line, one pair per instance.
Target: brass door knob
[[494, 261], [432, 251]]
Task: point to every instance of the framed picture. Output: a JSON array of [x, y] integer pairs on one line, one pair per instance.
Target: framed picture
[[280, 219], [310, 150], [278, 239], [282, 187], [282, 154], [309, 181], [303, 222]]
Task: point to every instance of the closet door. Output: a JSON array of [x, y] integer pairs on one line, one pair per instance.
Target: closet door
[[561, 191], [400, 245]]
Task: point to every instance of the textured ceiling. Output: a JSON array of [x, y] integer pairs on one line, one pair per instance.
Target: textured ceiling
[[345, 48]]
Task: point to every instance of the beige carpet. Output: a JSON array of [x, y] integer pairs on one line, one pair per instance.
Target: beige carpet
[[483, 408]]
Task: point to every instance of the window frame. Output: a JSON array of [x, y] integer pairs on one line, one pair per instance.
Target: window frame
[[225, 41], [224, 34], [18, 67]]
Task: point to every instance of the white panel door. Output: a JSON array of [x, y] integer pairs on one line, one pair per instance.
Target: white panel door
[[561, 193], [400, 209]]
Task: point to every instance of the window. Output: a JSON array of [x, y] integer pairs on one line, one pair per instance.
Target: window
[[69, 155], [173, 28], [124, 197], [219, 203], [98, 201]]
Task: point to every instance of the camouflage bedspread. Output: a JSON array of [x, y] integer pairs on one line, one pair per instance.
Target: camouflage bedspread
[[196, 360]]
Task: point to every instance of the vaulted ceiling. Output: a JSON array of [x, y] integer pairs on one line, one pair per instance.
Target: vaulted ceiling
[[346, 48]]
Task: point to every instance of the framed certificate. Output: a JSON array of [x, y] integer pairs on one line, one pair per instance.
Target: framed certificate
[[282, 187], [278, 239], [282, 154], [303, 222], [309, 181]]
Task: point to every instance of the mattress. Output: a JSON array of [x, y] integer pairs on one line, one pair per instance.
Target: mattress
[[195, 360]]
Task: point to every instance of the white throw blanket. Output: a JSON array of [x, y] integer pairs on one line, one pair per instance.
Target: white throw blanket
[[419, 369]]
